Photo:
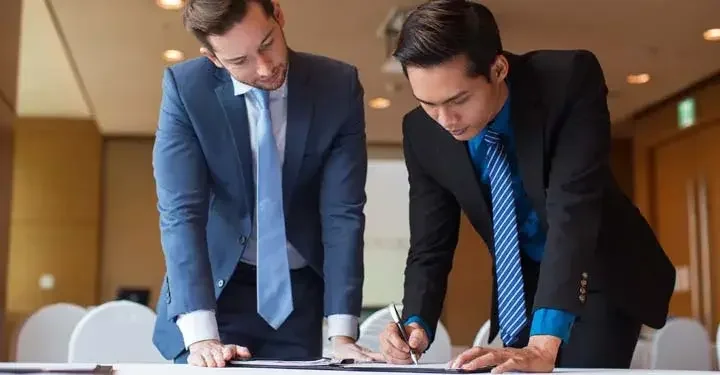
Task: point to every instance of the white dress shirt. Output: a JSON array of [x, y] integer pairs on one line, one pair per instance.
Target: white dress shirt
[[201, 325]]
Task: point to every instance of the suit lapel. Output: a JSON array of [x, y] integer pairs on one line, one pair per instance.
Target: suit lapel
[[466, 182], [237, 121], [299, 116], [527, 118]]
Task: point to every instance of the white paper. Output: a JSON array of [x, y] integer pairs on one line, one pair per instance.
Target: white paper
[[274, 363], [389, 366]]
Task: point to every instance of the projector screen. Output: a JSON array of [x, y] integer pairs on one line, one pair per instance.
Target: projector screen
[[387, 232]]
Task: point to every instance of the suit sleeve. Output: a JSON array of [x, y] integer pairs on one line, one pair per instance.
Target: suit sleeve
[[181, 180], [579, 175], [434, 227], [342, 203]]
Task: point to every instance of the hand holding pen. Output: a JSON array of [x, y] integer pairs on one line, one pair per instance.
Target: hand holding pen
[[402, 344]]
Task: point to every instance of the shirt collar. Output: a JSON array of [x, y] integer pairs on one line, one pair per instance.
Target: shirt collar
[[501, 123], [242, 89]]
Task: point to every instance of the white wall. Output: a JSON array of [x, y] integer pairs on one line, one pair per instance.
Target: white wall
[[387, 232]]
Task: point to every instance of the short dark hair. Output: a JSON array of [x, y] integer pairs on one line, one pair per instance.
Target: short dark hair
[[215, 17], [439, 30]]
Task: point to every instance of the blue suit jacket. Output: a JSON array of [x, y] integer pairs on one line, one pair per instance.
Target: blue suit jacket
[[203, 171]]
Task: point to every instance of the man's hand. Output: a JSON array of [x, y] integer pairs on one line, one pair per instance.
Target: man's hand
[[538, 356], [395, 350], [345, 348], [212, 353]]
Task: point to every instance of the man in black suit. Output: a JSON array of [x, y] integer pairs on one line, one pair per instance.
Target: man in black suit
[[521, 144]]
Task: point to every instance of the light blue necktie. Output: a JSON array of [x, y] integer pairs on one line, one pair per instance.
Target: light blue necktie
[[511, 294], [274, 289]]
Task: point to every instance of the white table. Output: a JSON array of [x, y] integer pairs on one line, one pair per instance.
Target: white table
[[167, 369]]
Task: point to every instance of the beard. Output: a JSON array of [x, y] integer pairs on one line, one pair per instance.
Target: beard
[[275, 81]]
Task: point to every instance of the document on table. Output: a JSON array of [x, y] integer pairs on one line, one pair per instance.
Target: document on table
[[429, 368], [349, 365], [322, 362]]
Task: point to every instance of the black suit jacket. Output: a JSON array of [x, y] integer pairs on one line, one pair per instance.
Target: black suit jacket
[[596, 237]]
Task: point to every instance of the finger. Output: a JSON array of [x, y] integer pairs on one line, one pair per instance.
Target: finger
[[217, 354], [509, 365], [468, 356], [358, 355], [195, 359], [242, 352], [394, 354], [375, 356], [209, 358], [397, 342], [228, 352], [485, 360]]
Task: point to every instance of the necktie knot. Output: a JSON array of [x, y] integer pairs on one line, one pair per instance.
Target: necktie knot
[[492, 137], [263, 97]]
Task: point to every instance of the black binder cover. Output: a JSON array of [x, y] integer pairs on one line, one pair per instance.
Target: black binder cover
[[64, 370]]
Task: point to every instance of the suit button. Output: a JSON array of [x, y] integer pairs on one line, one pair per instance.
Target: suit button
[[583, 283], [582, 298], [584, 275], [167, 299], [583, 291], [221, 283], [242, 240]]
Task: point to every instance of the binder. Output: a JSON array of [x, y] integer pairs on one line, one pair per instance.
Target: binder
[[350, 365], [55, 369]]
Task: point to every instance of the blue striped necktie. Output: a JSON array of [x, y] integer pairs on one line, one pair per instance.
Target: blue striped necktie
[[510, 293], [274, 289]]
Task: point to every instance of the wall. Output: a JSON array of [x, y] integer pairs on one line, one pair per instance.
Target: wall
[[55, 215], [659, 124], [9, 52], [131, 252]]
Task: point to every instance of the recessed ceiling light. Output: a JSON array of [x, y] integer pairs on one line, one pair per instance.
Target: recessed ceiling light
[[379, 103], [173, 55], [170, 4], [638, 79], [712, 35]]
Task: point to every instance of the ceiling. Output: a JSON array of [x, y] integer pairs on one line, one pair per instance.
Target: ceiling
[[102, 59]]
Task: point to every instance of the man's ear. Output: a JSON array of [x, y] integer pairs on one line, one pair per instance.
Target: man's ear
[[500, 69], [278, 13], [207, 53]]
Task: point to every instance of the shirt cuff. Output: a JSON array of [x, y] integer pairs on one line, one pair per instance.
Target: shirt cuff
[[551, 322], [343, 325], [198, 326]]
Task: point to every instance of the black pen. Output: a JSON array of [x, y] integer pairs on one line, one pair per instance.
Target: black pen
[[396, 318]]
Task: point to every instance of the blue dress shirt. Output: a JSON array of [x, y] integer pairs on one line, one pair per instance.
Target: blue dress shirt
[[551, 322]]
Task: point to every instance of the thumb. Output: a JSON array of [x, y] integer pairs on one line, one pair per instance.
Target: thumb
[[417, 338], [243, 352]]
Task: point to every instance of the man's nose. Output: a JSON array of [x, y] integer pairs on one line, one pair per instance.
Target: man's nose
[[264, 66]]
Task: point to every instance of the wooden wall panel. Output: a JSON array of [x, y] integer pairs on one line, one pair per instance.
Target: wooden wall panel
[[658, 125], [7, 118], [9, 50], [10, 16], [54, 221], [131, 251]]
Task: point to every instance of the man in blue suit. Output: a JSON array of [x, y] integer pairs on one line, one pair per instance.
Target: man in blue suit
[[260, 164]]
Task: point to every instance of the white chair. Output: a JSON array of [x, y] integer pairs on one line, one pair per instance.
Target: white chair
[[682, 344], [115, 332], [440, 351], [45, 335], [717, 347], [483, 336]]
